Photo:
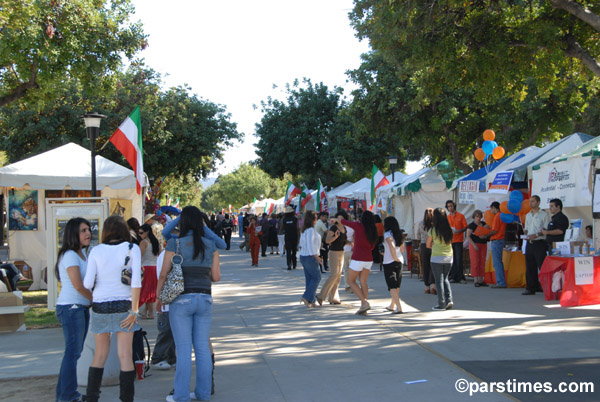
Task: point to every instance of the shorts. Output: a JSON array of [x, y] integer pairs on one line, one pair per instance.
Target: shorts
[[360, 265], [393, 274]]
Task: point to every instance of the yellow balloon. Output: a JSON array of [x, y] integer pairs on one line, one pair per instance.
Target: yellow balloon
[[489, 135]]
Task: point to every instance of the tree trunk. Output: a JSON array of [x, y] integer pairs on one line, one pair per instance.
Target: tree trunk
[[454, 152], [584, 14]]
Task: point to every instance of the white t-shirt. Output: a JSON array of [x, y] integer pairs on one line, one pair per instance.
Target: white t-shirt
[[387, 255], [310, 242], [68, 294], [350, 238], [103, 274]]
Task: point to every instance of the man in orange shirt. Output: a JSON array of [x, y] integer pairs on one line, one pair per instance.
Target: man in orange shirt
[[497, 239], [458, 223]]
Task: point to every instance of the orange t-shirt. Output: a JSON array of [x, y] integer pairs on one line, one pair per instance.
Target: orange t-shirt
[[499, 227], [458, 222], [379, 227]]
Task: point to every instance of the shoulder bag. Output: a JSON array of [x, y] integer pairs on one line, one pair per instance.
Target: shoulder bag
[[173, 285]]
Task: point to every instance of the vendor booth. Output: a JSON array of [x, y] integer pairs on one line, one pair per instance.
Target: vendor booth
[[58, 173]]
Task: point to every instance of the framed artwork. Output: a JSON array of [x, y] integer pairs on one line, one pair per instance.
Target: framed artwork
[[121, 207], [23, 210]]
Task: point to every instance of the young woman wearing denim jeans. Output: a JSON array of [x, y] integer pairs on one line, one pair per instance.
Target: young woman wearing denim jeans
[[310, 249], [72, 306], [439, 241], [190, 313]]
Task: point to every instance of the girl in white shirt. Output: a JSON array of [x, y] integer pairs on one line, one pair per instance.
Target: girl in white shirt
[[393, 258], [114, 304], [310, 248]]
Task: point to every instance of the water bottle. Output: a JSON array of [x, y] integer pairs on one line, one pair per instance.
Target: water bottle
[[584, 249], [592, 251]]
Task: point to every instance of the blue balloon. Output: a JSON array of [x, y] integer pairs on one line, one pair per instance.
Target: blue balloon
[[514, 206], [506, 218], [516, 195], [488, 147]]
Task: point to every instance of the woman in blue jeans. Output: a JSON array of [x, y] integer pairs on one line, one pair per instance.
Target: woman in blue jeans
[[72, 306], [310, 249], [190, 313], [439, 240]]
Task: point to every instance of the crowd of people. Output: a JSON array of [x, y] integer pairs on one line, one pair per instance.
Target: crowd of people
[[120, 279]]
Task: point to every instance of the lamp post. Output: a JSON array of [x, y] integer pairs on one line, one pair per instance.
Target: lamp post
[[92, 126], [393, 161]]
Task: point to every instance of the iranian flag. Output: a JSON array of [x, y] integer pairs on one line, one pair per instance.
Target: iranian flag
[[377, 180], [177, 203], [271, 208], [321, 196], [290, 192], [304, 196], [128, 140]]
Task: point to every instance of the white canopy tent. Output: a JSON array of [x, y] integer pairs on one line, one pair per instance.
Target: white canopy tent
[[67, 167]]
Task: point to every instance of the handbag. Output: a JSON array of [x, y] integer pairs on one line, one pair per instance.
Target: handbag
[[173, 285], [126, 272]]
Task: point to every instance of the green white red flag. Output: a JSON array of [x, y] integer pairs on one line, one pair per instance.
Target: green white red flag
[[290, 192], [304, 196], [128, 140], [378, 179], [321, 197]]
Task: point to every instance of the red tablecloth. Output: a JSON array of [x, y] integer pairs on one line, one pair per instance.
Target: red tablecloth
[[571, 294]]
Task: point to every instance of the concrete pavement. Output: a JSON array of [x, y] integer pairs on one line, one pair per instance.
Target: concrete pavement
[[269, 347]]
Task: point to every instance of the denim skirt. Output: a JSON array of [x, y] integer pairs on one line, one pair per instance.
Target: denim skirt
[[102, 323]]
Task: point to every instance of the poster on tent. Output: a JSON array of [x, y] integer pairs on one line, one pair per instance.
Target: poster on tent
[[23, 210], [567, 180], [501, 183], [466, 191], [120, 207]]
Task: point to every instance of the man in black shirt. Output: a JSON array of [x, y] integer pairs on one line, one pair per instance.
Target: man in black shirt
[[559, 223], [291, 231]]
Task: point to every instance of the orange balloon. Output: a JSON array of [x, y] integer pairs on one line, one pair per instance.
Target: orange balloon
[[489, 135], [498, 153], [479, 154], [504, 207], [525, 208], [488, 217]]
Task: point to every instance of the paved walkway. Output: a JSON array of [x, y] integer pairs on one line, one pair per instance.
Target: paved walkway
[[269, 347]]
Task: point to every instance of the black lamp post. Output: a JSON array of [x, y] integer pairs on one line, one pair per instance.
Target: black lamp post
[[393, 161], [92, 126]]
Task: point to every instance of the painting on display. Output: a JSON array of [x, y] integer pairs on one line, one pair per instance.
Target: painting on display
[[23, 210], [121, 207]]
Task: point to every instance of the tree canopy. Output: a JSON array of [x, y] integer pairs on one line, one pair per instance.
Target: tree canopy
[[44, 43]]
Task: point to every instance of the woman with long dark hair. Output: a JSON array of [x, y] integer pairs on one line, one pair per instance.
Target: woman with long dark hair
[[134, 230], [336, 239], [190, 314], [439, 240], [310, 250], [393, 259], [114, 304], [365, 238], [72, 306], [150, 249], [424, 252]]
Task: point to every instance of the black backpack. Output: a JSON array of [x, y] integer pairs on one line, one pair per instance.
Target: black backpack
[[138, 351]]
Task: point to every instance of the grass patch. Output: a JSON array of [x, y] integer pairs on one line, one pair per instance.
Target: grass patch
[[39, 316]]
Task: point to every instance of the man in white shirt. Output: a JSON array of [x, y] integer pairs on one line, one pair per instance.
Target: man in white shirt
[[535, 250]]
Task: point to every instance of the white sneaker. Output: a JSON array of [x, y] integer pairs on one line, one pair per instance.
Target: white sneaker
[[162, 365], [171, 399]]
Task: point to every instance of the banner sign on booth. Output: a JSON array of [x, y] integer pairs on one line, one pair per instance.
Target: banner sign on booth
[[501, 183], [566, 180], [584, 270], [466, 190]]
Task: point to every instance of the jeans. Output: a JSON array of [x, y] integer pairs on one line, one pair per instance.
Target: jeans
[[312, 273], [164, 349], [497, 247], [426, 264], [75, 323], [190, 317], [444, 291], [457, 273]]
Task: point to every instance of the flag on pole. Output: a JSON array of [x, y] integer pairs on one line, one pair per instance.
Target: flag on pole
[[169, 199], [304, 196], [271, 208], [177, 203], [290, 192], [128, 140], [377, 180], [321, 197], [229, 208]]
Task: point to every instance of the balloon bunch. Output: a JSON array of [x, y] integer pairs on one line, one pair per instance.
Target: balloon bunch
[[489, 147], [513, 209]]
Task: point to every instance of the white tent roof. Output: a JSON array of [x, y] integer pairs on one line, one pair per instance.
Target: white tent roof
[[68, 165], [348, 192]]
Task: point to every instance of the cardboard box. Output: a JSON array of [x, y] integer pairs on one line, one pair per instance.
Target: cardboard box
[[12, 316]]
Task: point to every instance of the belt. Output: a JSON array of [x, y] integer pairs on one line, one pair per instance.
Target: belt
[[196, 290]]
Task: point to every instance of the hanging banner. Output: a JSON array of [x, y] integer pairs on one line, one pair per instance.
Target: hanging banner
[[501, 183], [566, 180], [466, 191]]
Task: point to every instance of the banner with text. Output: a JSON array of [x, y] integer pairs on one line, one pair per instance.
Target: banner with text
[[566, 180], [501, 183], [466, 191]]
